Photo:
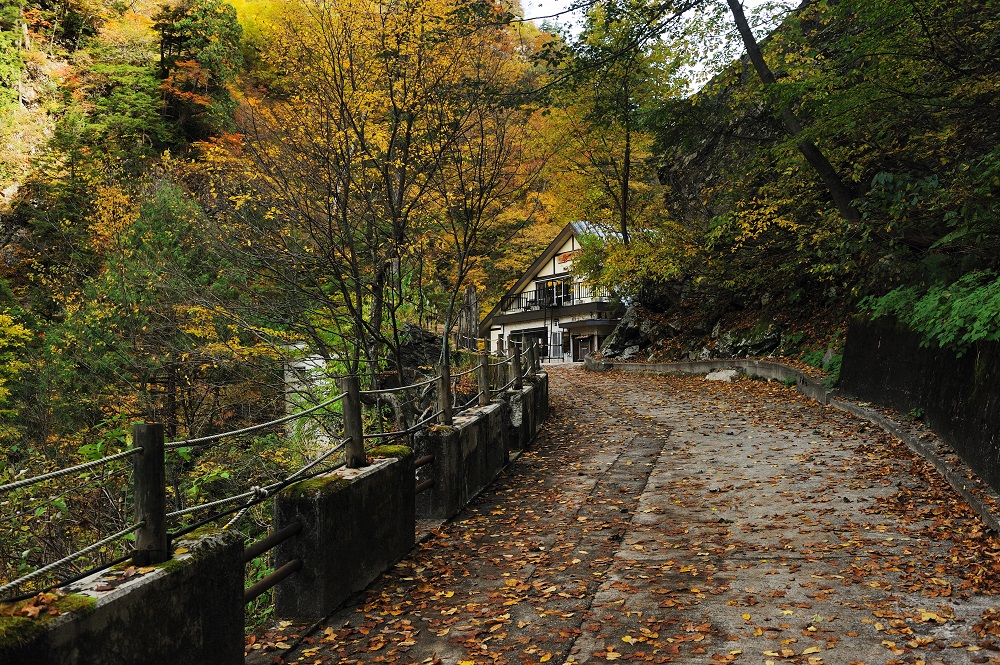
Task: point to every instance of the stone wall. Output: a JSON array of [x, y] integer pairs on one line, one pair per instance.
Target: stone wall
[[957, 396]]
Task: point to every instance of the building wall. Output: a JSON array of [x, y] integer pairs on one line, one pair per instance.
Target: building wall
[[559, 342], [559, 264]]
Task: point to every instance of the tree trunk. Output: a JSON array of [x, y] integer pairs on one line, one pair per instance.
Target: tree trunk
[[840, 192], [626, 176]]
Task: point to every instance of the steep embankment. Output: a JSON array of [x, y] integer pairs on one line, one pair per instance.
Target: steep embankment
[[898, 101]]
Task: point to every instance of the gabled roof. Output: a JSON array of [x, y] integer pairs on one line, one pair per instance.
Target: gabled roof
[[571, 230]]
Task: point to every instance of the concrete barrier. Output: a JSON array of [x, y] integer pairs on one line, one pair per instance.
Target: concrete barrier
[[519, 417], [467, 457], [957, 395], [187, 610], [356, 523], [540, 394], [763, 368]]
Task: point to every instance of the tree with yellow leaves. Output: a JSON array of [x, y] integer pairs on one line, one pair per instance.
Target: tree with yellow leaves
[[396, 135]]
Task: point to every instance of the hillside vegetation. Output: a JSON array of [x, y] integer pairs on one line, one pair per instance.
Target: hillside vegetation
[[901, 98]]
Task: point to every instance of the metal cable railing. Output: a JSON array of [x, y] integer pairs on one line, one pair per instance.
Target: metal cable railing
[[66, 559], [256, 494], [69, 470], [200, 441], [383, 391], [468, 405], [257, 490], [416, 427], [468, 371]]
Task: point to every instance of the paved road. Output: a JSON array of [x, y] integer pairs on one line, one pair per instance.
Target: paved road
[[675, 520]]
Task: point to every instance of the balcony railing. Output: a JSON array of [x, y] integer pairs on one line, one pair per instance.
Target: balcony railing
[[562, 295]]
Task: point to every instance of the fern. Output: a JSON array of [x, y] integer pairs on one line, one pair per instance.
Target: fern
[[952, 316]]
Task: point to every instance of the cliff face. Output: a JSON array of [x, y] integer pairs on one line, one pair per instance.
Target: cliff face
[[733, 178], [769, 276], [711, 137]]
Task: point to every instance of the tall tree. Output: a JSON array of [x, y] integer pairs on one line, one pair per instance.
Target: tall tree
[[392, 123], [840, 191], [620, 68], [200, 56]]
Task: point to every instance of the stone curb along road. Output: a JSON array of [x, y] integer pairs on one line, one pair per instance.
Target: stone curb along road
[[669, 519]]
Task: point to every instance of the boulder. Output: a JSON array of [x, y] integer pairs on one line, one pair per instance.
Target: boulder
[[726, 375]]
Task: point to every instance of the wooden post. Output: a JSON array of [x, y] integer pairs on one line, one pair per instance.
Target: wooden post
[[532, 355], [484, 379], [501, 369], [515, 366], [444, 395], [353, 430], [150, 477]]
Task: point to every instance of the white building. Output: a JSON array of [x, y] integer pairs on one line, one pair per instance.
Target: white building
[[569, 318]]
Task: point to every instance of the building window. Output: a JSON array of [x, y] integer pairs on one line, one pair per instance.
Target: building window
[[555, 292]]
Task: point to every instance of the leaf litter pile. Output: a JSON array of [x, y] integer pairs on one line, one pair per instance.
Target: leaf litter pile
[[678, 520]]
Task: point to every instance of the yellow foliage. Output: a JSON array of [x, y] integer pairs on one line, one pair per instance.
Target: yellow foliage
[[129, 30], [114, 212]]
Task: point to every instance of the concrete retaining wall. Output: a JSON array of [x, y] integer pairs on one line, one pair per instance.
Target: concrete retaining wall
[[356, 524], [763, 368], [468, 456], [188, 610], [520, 416], [958, 396], [540, 395]]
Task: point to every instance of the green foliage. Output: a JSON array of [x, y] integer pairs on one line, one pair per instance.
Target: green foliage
[[654, 256], [11, 66], [814, 358], [951, 316], [833, 370], [201, 53], [127, 114], [13, 338]]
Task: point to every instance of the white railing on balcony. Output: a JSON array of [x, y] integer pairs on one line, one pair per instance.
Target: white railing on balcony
[[564, 293]]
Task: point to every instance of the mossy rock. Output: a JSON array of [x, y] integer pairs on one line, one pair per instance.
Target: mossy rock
[[397, 451], [17, 631]]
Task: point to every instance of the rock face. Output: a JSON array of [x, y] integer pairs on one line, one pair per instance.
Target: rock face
[[418, 347], [629, 337], [759, 340], [641, 336]]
